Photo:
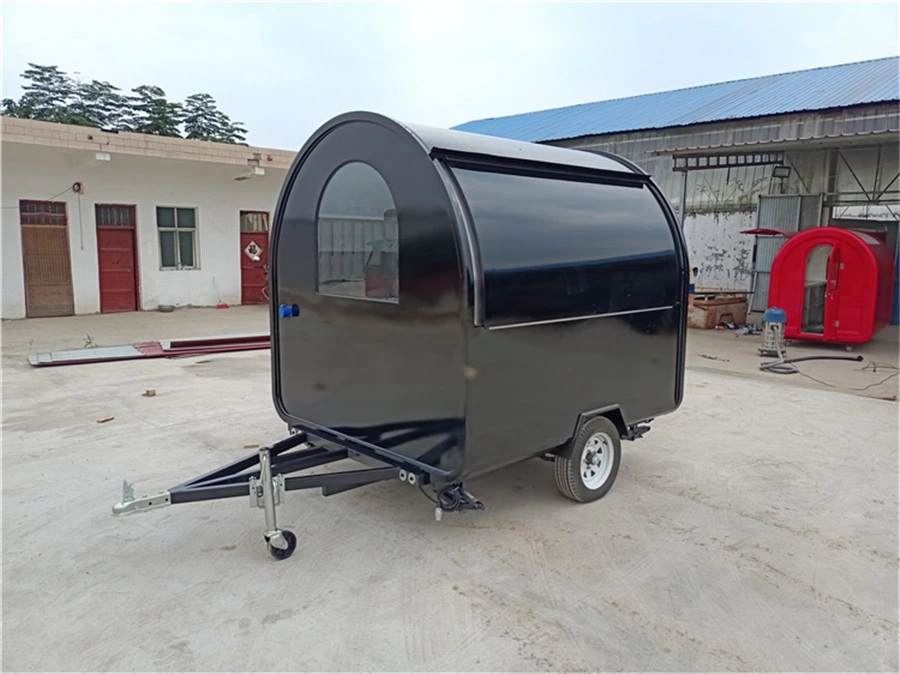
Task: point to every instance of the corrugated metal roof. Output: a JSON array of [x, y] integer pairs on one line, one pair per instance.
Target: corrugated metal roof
[[833, 87], [830, 139]]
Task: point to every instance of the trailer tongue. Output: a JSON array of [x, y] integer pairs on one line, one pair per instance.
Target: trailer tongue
[[266, 475]]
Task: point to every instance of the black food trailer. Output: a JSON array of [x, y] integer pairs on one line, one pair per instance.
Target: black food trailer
[[445, 304]]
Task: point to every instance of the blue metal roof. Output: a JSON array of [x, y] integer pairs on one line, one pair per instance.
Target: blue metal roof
[[820, 88]]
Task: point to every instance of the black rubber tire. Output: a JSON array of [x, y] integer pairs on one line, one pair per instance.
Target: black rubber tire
[[568, 464], [280, 554]]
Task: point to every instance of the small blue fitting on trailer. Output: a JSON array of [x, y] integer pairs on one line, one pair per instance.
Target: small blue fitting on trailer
[[284, 311], [774, 315]]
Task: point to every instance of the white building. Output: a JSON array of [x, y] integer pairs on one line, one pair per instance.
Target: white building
[[95, 221]]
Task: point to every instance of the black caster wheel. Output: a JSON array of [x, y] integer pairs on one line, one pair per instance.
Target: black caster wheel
[[280, 554]]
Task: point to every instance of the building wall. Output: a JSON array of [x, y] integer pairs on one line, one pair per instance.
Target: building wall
[[149, 171], [722, 202], [734, 189], [723, 256], [37, 172]]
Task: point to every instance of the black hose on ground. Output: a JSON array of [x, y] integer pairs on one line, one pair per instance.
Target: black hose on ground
[[783, 365]]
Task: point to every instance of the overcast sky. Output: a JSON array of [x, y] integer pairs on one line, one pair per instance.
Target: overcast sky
[[285, 68]]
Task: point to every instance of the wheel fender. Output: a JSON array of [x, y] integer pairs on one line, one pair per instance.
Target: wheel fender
[[611, 412]]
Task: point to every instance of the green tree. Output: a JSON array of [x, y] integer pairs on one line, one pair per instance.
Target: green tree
[[237, 134], [204, 121], [116, 106], [153, 113], [46, 95], [50, 95], [99, 104], [10, 108]]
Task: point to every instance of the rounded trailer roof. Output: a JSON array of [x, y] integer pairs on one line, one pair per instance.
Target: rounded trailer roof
[[461, 146]]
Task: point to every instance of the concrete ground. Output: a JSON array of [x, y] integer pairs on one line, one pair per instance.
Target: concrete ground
[[736, 353], [754, 529]]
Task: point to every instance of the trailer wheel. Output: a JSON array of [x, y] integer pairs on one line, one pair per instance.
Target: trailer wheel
[[586, 470], [291, 539]]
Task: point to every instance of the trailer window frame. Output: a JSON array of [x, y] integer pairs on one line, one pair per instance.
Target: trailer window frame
[[364, 236], [576, 278]]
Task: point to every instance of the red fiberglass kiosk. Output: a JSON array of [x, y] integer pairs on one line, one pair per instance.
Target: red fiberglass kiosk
[[835, 285]]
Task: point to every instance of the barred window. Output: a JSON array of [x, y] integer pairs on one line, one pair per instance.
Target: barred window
[[42, 212], [254, 221], [112, 215]]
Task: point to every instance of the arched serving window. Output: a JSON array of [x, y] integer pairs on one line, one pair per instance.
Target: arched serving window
[[357, 237], [815, 288]]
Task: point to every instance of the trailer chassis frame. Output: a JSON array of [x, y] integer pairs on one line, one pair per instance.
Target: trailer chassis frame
[[267, 474]]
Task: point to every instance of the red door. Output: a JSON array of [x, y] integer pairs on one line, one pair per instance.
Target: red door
[[254, 257], [117, 257], [832, 295]]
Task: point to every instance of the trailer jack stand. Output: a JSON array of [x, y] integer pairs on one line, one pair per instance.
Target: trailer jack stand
[[265, 493]]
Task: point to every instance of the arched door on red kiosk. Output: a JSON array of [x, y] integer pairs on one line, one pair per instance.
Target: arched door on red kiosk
[[822, 292], [817, 313], [833, 294]]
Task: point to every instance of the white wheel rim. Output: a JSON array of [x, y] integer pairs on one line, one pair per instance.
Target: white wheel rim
[[596, 460]]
